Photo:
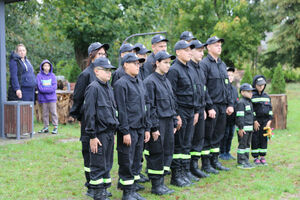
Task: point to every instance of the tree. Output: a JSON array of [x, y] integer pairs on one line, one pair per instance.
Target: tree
[[247, 78], [278, 82]]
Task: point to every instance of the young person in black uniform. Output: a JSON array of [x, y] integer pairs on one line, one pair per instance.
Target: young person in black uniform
[[159, 43], [198, 137], [134, 128], [244, 122], [182, 78], [163, 123], [124, 49], [225, 145], [95, 51], [101, 123], [218, 104]]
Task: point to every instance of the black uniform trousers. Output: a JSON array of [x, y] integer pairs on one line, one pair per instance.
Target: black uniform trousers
[[214, 130], [225, 145], [198, 137], [183, 139], [102, 161], [259, 142], [244, 148], [161, 150], [129, 157], [85, 150]]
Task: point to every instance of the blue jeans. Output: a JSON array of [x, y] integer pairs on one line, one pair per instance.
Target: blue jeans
[[226, 141]]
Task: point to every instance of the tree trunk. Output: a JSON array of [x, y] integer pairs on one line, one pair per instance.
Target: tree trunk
[[280, 107], [81, 55]]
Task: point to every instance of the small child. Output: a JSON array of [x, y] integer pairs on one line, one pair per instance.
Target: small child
[[244, 122], [264, 115], [47, 85], [100, 115]]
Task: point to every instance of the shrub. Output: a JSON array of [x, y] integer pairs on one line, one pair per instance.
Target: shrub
[[278, 82], [247, 78]]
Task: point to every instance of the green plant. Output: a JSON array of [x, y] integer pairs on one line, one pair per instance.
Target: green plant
[[247, 78], [278, 82], [67, 68], [75, 71]]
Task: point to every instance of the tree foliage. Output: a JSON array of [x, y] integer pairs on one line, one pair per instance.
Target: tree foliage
[[278, 82], [247, 78]]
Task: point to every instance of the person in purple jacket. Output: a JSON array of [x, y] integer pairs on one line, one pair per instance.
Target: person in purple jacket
[[47, 85]]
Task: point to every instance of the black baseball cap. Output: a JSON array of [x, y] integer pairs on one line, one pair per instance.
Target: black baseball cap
[[131, 57], [128, 47], [97, 45], [213, 40], [182, 44], [197, 44], [103, 62], [260, 81], [246, 87], [187, 36], [158, 38], [230, 69], [143, 50], [162, 55]]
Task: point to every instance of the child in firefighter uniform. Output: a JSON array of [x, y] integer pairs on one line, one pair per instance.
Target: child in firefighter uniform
[[163, 123], [134, 126], [244, 122], [264, 115], [101, 123]]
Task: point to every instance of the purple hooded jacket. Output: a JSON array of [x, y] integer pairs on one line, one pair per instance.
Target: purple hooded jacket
[[47, 85]]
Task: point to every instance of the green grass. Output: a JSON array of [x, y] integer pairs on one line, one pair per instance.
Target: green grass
[[51, 167]]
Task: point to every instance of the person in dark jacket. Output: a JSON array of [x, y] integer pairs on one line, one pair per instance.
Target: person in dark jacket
[[244, 122], [199, 133], [264, 115], [187, 36], [218, 104], [225, 145], [47, 85], [163, 123], [87, 76], [142, 53], [100, 115], [124, 49], [134, 128], [22, 80], [159, 43], [183, 80]]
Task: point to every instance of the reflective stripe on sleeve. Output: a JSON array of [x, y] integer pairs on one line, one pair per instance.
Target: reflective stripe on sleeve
[[240, 113]]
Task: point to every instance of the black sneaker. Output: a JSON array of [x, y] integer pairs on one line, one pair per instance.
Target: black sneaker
[[54, 130], [44, 130]]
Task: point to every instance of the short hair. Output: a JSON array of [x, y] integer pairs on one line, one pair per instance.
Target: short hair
[[19, 45]]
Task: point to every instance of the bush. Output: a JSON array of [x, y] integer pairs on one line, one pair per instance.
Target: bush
[[278, 82], [247, 78], [74, 74], [292, 74], [67, 68]]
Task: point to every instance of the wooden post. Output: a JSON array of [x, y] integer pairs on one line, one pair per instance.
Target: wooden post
[[280, 108]]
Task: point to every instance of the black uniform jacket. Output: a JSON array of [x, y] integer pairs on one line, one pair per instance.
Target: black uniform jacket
[[182, 79], [100, 111], [148, 66], [161, 99], [244, 114], [116, 75], [217, 82], [131, 99], [83, 80], [235, 97]]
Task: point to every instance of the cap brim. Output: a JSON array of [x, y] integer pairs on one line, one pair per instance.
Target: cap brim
[[106, 46], [143, 51], [163, 40], [136, 49], [230, 69], [215, 41], [141, 60], [262, 82]]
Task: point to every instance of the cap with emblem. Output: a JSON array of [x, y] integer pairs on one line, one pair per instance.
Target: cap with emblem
[[103, 62], [162, 55], [97, 45], [197, 44], [131, 57], [246, 87], [128, 47], [158, 38], [213, 40], [260, 81], [187, 36], [182, 44], [143, 50]]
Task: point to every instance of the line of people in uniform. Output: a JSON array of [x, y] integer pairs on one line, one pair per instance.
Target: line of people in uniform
[[170, 108]]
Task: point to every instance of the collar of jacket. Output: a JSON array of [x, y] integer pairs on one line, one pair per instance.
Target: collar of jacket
[[180, 63], [161, 77], [247, 99], [196, 65], [102, 83], [212, 59], [132, 79]]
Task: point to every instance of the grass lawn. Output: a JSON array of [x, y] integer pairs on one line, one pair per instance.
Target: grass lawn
[[51, 167]]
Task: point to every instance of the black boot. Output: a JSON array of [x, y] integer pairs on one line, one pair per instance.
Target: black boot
[[157, 187], [127, 195], [137, 196], [99, 194], [206, 167], [216, 164], [107, 193], [162, 183], [196, 171], [190, 176], [143, 178], [138, 187], [185, 177], [90, 192], [176, 178]]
